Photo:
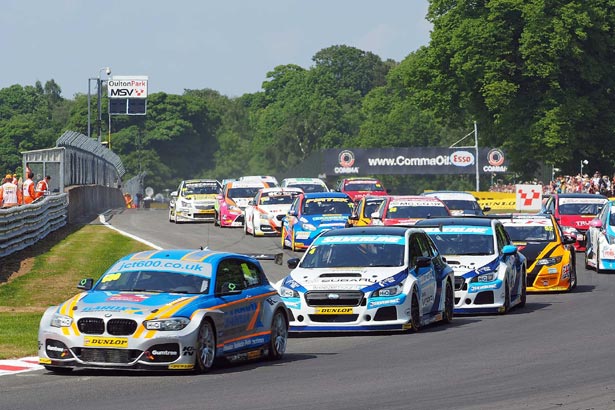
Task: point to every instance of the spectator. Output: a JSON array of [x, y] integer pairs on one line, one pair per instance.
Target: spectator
[[42, 187], [9, 194], [28, 189]]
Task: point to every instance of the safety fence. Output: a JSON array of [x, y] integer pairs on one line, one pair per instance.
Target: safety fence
[[22, 226]]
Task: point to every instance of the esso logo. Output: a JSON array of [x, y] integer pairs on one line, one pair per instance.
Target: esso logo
[[462, 158]]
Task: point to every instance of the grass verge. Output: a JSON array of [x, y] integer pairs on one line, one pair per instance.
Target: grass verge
[[47, 274]]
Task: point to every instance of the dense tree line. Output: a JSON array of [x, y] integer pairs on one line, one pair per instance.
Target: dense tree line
[[536, 75]]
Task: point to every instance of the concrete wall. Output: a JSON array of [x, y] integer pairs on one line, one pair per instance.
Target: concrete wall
[[87, 201]]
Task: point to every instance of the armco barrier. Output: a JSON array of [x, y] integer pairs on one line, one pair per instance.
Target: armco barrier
[[24, 225]]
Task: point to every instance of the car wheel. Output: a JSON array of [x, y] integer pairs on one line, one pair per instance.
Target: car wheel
[[506, 299], [216, 223], [279, 336], [283, 235], [415, 313], [245, 228], [523, 298], [206, 347], [598, 270], [59, 370], [170, 219], [449, 303], [572, 281]]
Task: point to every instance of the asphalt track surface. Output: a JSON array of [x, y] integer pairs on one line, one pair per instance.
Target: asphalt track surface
[[555, 353]]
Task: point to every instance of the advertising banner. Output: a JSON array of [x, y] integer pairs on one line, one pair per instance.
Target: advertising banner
[[127, 86], [432, 161]]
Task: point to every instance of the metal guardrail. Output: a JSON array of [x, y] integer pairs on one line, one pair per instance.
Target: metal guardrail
[[24, 225]]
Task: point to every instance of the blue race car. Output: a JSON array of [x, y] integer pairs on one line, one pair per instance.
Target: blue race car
[[600, 250], [490, 272], [314, 213], [368, 279], [167, 310]]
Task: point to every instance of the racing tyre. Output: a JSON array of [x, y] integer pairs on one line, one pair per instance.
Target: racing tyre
[[279, 336], [415, 313], [216, 222], [506, 299], [283, 235], [245, 228], [449, 302], [523, 297], [206, 347], [59, 370], [598, 270], [572, 282]]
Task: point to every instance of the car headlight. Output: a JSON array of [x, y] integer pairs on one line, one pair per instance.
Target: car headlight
[[610, 239], [570, 231], [61, 320], [184, 204], [288, 292], [549, 261], [264, 217], [308, 227], [172, 324], [388, 291], [235, 209], [486, 277]]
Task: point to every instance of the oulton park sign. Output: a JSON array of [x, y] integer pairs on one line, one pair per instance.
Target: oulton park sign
[[438, 161]]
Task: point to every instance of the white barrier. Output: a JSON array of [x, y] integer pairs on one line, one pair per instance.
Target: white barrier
[[22, 226]]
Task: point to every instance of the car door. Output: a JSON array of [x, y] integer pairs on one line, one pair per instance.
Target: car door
[[230, 288], [419, 247], [513, 265]]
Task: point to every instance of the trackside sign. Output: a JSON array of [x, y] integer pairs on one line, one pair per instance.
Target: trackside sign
[[412, 160], [126, 86]]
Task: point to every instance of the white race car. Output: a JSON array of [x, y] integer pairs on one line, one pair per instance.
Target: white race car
[[368, 279], [490, 273], [306, 184], [263, 215], [194, 200]]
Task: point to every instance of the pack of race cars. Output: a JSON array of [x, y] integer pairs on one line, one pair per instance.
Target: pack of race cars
[[379, 263]]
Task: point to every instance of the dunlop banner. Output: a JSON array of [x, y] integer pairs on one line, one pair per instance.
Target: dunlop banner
[[497, 201]]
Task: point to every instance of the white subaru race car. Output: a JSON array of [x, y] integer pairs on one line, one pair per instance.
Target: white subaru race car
[[490, 272], [368, 279]]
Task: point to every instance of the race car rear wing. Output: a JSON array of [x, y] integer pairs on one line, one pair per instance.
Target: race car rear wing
[[277, 258]]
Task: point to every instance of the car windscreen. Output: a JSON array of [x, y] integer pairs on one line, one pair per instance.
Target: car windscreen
[[531, 233], [363, 186], [462, 205], [463, 244], [353, 255], [417, 211], [276, 200], [199, 189], [243, 192], [579, 209], [153, 281], [324, 206], [309, 187]]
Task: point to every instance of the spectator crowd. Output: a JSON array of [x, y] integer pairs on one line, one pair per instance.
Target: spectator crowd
[[598, 184]]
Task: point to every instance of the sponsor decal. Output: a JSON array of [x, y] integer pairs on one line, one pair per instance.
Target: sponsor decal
[[346, 161], [240, 344], [462, 158], [188, 350], [180, 366], [127, 298], [118, 342], [43, 360], [376, 303], [362, 239], [473, 288], [334, 310]]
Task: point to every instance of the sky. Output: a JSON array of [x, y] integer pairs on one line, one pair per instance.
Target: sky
[[225, 45]]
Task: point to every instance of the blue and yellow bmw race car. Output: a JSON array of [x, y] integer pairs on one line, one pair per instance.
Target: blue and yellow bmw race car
[[167, 310]]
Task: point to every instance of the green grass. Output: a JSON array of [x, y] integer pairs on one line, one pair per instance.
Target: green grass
[[51, 278]]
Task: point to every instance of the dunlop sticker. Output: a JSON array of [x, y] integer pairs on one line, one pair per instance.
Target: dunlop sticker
[[119, 342], [334, 310]]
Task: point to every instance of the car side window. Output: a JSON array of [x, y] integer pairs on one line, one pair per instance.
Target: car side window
[[229, 276], [501, 236], [251, 274], [417, 249]]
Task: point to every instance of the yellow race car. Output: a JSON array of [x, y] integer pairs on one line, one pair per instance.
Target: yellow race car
[[550, 254], [362, 212]]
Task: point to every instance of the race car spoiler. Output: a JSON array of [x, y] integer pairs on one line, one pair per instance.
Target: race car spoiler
[[277, 258]]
